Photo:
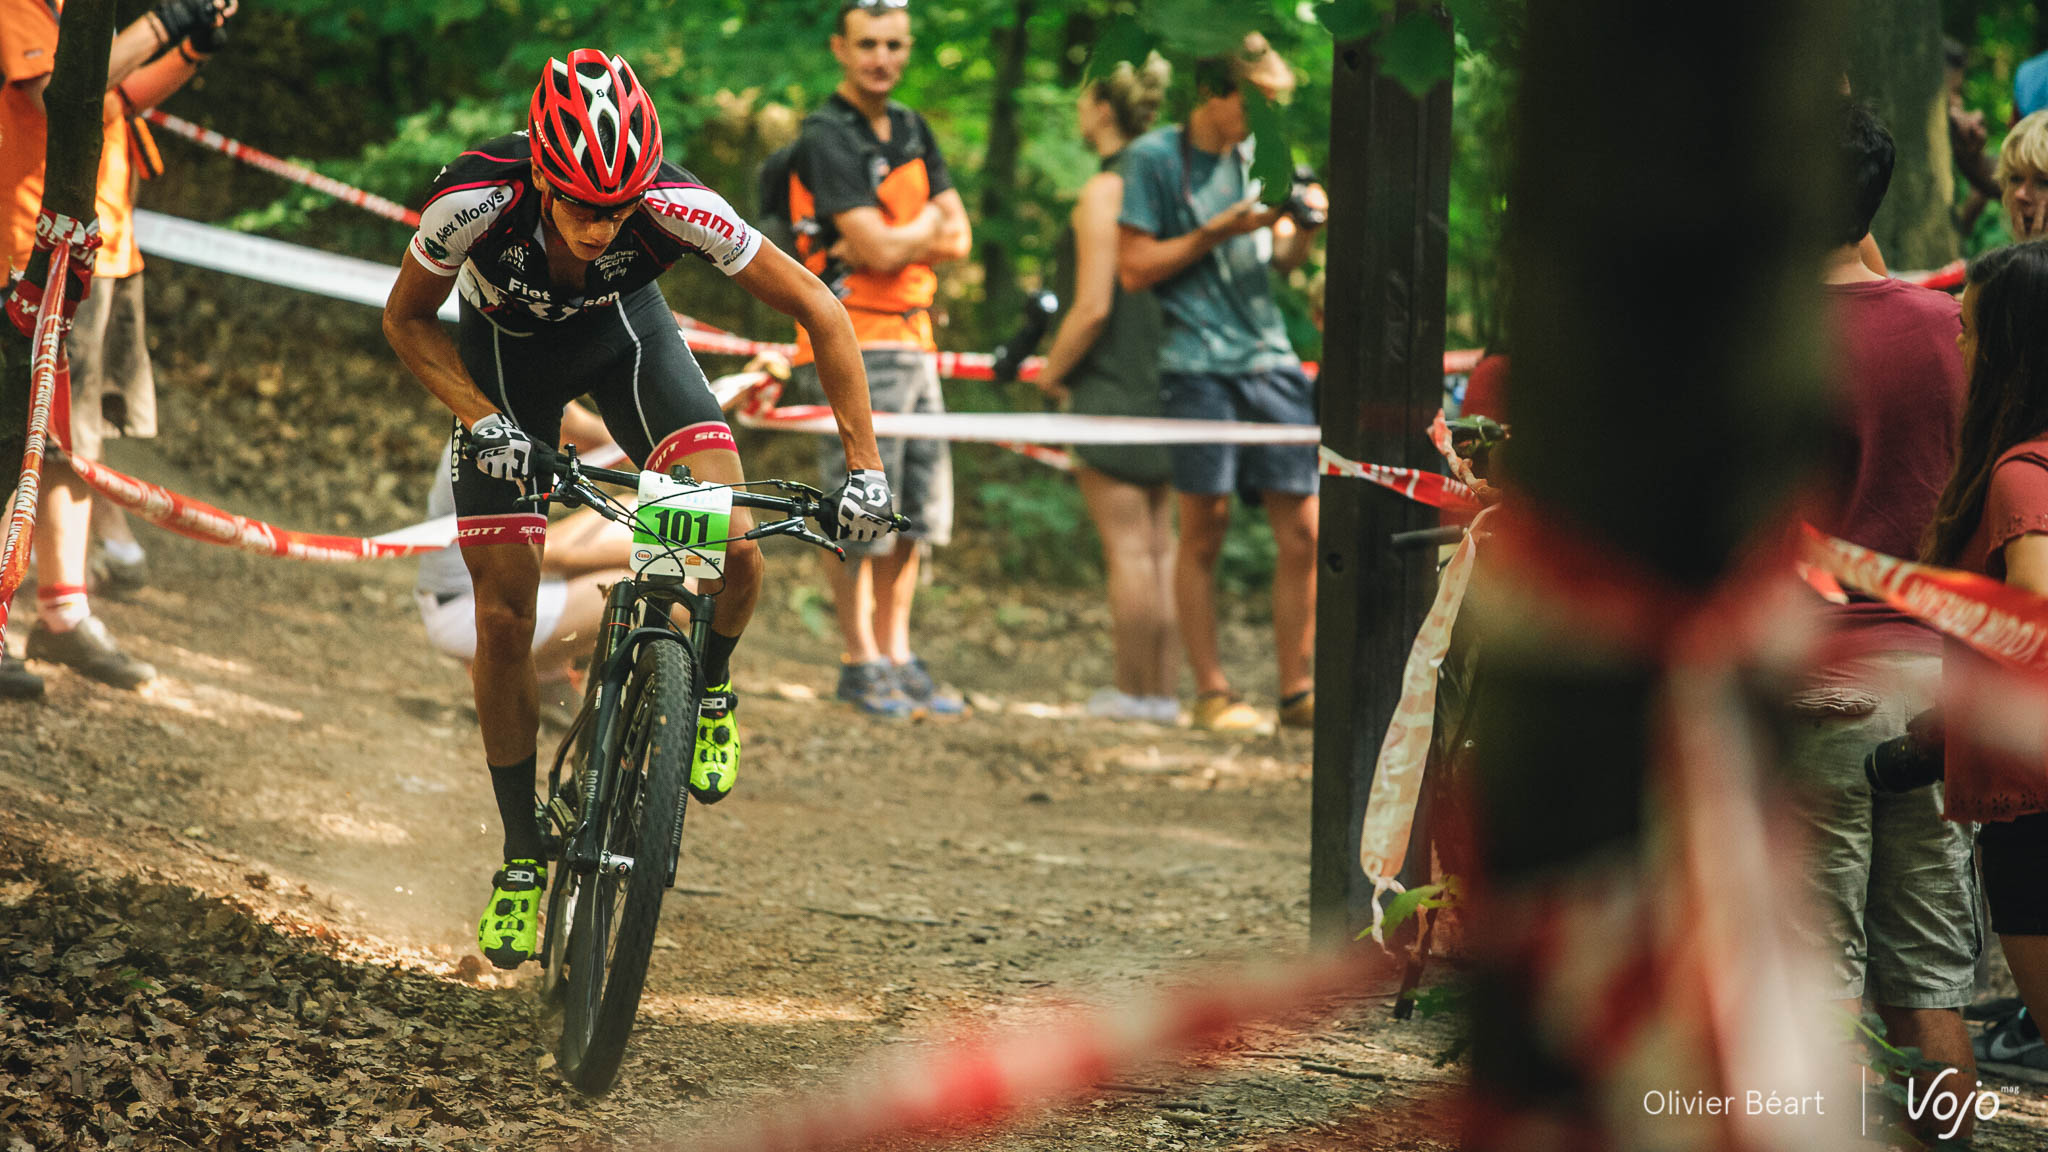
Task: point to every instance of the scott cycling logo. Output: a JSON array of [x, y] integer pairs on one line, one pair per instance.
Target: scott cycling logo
[[613, 265]]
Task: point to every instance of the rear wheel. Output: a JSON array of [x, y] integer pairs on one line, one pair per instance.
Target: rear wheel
[[611, 913]]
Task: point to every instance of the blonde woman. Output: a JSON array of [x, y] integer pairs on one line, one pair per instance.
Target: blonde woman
[[1104, 361], [2023, 177]]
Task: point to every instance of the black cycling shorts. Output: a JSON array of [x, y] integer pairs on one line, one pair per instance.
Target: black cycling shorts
[[629, 358]]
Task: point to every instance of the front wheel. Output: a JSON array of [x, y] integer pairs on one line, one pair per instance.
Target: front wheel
[[613, 911]]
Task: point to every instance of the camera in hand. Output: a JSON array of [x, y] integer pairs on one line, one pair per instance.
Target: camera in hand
[[1297, 205], [1039, 309], [1907, 762]]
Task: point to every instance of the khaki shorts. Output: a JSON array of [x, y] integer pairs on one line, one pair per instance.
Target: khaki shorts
[[1889, 879], [920, 471], [113, 390]]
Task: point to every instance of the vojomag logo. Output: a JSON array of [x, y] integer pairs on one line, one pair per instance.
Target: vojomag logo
[[1943, 1101]]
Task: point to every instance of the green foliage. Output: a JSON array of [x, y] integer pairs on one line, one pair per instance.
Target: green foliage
[[1245, 567], [1038, 523], [1272, 167], [1351, 19], [1423, 896], [1416, 53], [812, 608]]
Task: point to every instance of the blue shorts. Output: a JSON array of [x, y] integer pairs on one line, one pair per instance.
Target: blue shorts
[[1277, 396]]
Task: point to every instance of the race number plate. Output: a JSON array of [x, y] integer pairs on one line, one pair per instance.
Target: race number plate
[[680, 529]]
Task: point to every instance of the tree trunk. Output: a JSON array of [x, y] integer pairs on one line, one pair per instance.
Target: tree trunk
[[1658, 419], [73, 100], [1895, 64], [997, 229], [1382, 381]]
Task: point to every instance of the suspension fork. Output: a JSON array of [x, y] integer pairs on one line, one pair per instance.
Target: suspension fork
[[617, 622]]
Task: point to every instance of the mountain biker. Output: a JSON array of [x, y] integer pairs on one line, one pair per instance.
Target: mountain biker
[[555, 237]]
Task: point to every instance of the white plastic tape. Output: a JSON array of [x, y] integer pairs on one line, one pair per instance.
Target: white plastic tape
[[271, 261]]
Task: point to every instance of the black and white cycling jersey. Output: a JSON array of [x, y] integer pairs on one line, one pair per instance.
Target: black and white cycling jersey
[[482, 222]]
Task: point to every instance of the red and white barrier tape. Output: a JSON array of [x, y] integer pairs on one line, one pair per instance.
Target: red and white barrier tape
[[47, 343], [1396, 793], [1657, 970], [200, 521], [1429, 488], [296, 173], [975, 1083], [2007, 624]]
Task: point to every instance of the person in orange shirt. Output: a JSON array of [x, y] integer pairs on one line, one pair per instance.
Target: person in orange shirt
[[874, 208], [110, 372]]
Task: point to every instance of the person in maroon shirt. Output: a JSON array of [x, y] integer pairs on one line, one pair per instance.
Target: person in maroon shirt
[[1890, 879], [1993, 519]]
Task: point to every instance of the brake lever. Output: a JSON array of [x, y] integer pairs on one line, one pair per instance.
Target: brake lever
[[809, 537]]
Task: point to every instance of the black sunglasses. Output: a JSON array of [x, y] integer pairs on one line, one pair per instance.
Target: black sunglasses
[[857, 5]]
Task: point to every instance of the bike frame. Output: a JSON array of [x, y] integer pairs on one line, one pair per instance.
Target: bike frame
[[621, 643]]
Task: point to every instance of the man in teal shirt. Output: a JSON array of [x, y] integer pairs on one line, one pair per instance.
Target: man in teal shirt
[[1193, 232]]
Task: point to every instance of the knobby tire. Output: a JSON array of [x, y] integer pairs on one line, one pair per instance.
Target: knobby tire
[[613, 919]]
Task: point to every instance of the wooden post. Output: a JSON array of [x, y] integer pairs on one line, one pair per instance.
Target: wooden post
[[1666, 391], [78, 85], [1382, 381]]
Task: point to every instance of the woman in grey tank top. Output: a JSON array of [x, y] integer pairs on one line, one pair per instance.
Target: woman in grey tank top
[[1104, 361]]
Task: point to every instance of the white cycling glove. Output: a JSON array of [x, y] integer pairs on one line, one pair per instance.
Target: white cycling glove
[[864, 509], [501, 448]]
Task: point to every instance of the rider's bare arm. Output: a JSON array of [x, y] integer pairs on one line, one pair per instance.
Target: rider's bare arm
[[412, 324], [788, 287]]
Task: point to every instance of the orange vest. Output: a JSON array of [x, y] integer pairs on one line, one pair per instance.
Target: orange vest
[[28, 50], [891, 310]]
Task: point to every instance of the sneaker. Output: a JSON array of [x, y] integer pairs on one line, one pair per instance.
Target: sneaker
[[510, 928], [917, 686], [1298, 710], [17, 682], [2012, 1040], [118, 579], [91, 652], [1224, 712], [871, 687], [1161, 709], [716, 764], [1111, 704]]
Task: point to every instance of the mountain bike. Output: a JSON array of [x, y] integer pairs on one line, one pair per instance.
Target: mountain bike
[[613, 816]]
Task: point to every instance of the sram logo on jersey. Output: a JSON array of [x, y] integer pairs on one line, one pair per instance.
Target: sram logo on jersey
[[690, 215], [499, 197]]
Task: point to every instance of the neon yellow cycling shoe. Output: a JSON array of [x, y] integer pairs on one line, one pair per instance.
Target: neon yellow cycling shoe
[[509, 932], [716, 763]]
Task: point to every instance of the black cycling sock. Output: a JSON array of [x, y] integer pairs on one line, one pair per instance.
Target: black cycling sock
[[513, 785], [718, 659]]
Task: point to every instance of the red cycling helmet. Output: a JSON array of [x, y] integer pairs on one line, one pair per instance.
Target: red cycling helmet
[[594, 130]]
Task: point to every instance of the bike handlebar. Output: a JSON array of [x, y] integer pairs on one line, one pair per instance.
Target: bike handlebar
[[570, 474]]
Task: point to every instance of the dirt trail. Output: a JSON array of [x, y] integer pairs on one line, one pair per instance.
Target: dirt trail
[[310, 771], [306, 755]]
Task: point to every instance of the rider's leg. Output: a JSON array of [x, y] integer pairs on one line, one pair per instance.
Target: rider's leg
[[506, 578], [741, 590]]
